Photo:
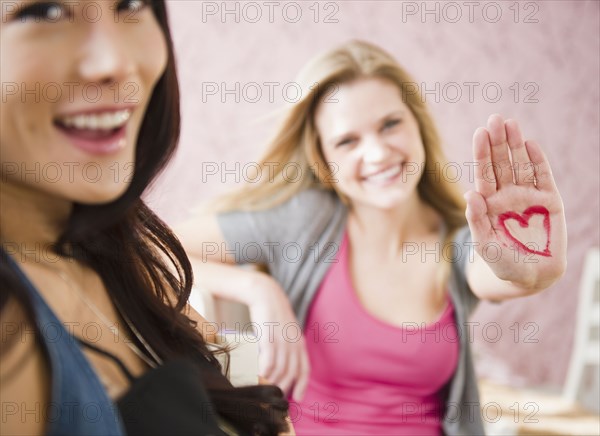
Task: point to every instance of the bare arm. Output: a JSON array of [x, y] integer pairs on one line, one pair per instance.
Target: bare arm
[[24, 376], [284, 363], [215, 269]]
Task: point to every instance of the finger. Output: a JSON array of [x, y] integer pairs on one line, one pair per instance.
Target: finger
[[302, 382], [282, 364], [544, 180], [500, 155], [477, 217], [521, 165], [485, 179], [290, 375], [266, 361]]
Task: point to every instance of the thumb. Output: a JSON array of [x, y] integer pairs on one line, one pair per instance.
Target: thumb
[[477, 217]]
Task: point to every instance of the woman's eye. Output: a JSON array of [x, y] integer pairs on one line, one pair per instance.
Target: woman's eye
[[132, 5], [390, 123], [42, 11], [344, 142]]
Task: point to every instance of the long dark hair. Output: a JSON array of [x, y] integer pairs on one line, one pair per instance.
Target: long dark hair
[[127, 244]]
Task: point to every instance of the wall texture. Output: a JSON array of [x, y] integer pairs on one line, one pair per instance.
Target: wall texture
[[543, 56]]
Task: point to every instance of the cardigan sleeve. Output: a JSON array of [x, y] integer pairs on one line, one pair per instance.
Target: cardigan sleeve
[[283, 231], [464, 253]]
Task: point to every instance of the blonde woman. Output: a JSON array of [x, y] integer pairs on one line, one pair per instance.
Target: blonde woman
[[367, 250]]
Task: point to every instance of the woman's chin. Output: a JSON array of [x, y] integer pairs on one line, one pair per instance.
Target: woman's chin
[[384, 200], [98, 197]]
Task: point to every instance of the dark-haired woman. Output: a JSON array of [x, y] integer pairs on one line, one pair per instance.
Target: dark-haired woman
[[97, 337]]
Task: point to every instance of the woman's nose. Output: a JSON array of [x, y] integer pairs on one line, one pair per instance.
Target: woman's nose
[[105, 55], [375, 150]]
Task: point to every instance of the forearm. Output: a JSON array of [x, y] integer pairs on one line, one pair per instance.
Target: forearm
[[228, 281]]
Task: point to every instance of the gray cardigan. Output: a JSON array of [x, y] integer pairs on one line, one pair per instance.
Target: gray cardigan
[[298, 241]]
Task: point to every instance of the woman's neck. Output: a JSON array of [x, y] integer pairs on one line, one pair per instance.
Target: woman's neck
[[387, 230], [31, 219]]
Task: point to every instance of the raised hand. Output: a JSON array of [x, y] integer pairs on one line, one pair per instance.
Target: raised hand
[[516, 214]]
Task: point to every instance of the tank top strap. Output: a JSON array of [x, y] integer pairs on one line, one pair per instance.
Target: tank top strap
[[105, 353], [78, 403]]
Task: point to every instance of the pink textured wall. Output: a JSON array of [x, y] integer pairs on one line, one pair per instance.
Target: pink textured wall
[[555, 58]]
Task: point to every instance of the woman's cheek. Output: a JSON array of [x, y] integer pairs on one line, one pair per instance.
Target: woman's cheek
[[152, 39]]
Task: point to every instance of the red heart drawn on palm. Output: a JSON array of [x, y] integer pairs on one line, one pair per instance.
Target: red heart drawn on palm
[[534, 236]]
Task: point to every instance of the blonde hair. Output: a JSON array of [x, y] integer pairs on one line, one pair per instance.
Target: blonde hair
[[296, 143]]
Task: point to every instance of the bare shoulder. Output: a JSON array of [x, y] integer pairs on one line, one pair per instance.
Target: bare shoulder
[[24, 374]]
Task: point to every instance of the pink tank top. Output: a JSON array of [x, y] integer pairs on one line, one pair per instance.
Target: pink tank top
[[368, 376]]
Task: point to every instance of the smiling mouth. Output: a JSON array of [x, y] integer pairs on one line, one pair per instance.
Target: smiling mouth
[[386, 175], [104, 123], [96, 133]]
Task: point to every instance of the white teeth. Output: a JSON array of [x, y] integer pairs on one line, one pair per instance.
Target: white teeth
[[79, 121], [385, 175], [92, 122], [105, 121]]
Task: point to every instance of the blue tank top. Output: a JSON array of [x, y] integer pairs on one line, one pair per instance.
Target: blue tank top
[[78, 404]]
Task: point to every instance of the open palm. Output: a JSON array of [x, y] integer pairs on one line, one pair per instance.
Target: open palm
[[516, 214]]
